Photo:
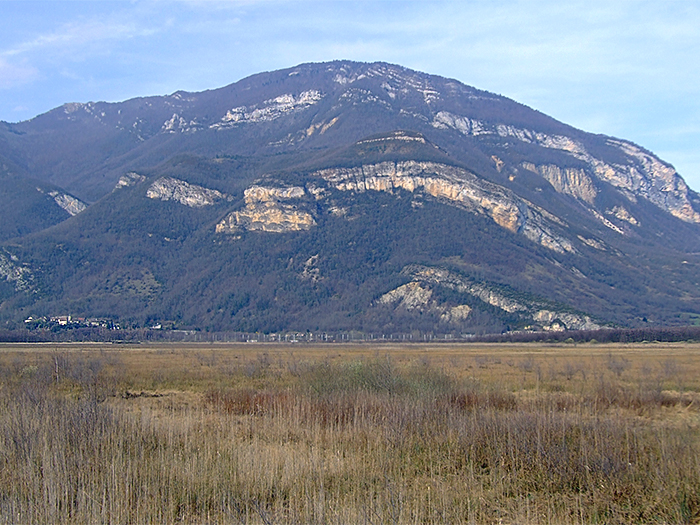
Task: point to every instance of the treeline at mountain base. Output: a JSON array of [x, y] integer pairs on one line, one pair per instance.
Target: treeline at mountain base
[[612, 335]]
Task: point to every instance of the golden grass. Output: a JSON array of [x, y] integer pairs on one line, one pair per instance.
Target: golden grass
[[448, 433]]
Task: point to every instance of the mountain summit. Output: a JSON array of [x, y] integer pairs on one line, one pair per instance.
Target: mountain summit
[[340, 196]]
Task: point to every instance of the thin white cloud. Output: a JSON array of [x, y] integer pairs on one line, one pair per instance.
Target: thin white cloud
[[82, 35], [15, 75]]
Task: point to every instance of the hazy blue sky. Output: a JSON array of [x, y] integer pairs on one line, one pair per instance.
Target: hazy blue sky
[[627, 68]]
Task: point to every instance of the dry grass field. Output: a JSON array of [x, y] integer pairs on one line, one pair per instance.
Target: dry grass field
[[356, 434]]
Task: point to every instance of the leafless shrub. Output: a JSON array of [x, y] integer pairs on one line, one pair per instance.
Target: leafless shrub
[[571, 369], [527, 365], [617, 365]]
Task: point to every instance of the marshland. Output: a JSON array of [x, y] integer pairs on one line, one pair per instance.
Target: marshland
[[350, 433]]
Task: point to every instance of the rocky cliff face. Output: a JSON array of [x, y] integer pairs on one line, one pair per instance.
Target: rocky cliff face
[[410, 296], [621, 213], [69, 203], [457, 187], [415, 295], [570, 181], [130, 179], [268, 111], [642, 175], [649, 177], [269, 209], [171, 189]]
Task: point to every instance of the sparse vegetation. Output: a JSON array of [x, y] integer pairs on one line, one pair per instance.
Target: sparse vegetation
[[248, 434]]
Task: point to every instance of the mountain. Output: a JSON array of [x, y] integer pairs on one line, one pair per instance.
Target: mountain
[[340, 196]]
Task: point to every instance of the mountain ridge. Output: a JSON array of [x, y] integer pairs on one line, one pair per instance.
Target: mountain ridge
[[310, 165]]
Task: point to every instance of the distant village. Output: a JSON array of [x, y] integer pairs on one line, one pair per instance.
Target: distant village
[[167, 330], [68, 321]]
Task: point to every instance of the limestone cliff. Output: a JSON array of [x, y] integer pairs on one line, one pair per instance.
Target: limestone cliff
[[72, 205], [553, 320], [69, 203], [457, 187], [130, 179], [442, 277], [410, 296], [642, 175], [414, 296], [267, 111], [657, 181], [265, 211], [621, 213], [171, 189], [542, 315], [456, 314], [570, 181], [177, 124]]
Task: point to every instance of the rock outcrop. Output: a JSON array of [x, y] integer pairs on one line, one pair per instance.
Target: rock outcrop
[[267, 209], [570, 181], [655, 180], [416, 296], [171, 189], [643, 175], [442, 277], [69, 203], [457, 187], [269, 110], [621, 213], [410, 296], [12, 271], [177, 124], [541, 315], [130, 179], [552, 320]]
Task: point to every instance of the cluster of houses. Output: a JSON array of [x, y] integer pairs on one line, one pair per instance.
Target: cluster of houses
[[70, 322]]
